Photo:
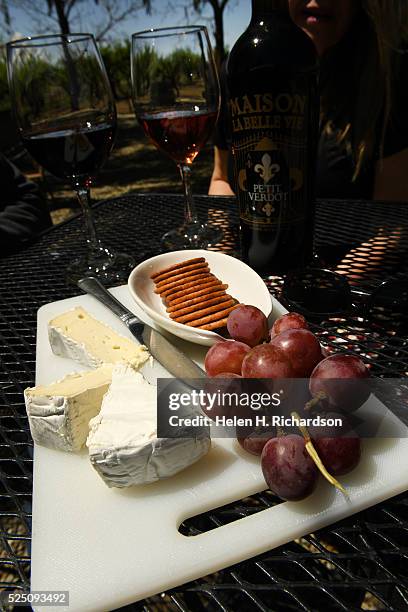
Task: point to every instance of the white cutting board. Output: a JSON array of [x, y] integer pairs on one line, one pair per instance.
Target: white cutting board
[[111, 547]]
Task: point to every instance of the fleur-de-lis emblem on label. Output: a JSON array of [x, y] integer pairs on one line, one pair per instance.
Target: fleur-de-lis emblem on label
[[267, 169], [268, 209]]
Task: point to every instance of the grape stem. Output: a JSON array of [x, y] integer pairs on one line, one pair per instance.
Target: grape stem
[[315, 457], [316, 400]]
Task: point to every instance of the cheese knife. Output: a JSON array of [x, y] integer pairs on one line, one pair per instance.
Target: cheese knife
[[171, 358]]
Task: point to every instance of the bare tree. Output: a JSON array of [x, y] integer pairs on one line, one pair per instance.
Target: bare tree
[[218, 7], [69, 13], [116, 11], [5, 14]]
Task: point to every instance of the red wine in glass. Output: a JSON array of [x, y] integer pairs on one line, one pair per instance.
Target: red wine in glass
[[176, 97], [67, 153], [66, 117], [179, 134]]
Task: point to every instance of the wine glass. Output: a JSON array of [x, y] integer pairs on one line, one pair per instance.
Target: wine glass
[[67, 121], [176, 96]]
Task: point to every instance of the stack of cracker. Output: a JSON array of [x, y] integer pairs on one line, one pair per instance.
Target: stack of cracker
[[193, 295]]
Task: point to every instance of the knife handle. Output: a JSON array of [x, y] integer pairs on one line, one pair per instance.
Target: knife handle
[[94, 287]]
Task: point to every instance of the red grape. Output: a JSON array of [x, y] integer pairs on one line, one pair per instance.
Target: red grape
[[291, 320], [325, 352], [339, 455], [339, 447], [342, 382], [225, 356], [266, 361], [217, 386], [227, 375], [254, 442], [247, 324], [302, 348], [287, 467]]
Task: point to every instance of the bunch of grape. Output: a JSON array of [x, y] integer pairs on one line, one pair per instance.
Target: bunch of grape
[[291, 350]]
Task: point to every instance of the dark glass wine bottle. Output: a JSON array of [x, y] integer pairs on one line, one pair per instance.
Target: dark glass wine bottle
[[273, 108]]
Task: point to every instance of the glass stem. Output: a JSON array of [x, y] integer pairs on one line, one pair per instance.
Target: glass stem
[[190, 214], [84, 199]]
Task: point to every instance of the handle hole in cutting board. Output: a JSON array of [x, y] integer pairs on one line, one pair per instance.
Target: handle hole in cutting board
[[209, 520]]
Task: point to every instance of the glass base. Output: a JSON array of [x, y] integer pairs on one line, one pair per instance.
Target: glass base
[[192, 236], [110, 268]]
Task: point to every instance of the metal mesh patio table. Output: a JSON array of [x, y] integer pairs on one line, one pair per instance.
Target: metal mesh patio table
[[360, 562]]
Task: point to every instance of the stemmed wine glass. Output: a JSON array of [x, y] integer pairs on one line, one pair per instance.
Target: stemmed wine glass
[[67, 121], [176, 97]]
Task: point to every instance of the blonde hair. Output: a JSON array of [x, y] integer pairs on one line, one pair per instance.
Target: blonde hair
[[359, 76]]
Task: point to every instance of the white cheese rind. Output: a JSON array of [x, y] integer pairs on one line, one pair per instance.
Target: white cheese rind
[[62, 421], [76, 335], [122, 442], [63, 346]]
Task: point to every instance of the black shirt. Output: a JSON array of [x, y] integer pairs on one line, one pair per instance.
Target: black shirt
[[335, 167], [23, 212]]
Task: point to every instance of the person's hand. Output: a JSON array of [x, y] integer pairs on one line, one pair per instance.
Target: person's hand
[[219, 180]]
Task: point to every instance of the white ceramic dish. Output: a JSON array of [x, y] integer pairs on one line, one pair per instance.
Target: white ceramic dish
[[243, 284]]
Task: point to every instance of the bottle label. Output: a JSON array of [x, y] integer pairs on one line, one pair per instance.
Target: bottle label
[[269, 147]]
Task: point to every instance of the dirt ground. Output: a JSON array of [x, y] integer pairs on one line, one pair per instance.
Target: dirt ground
[[135, 165]]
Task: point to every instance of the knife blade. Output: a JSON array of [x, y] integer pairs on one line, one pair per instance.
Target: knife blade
[[174, 361]]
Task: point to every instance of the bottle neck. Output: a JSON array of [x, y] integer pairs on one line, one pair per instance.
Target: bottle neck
[[266, 7]]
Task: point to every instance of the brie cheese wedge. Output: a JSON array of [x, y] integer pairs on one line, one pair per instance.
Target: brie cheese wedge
[[122, 442], [59, 413], [77, 335]]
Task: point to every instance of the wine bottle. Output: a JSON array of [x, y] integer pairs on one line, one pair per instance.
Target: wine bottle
[[273, 109]]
